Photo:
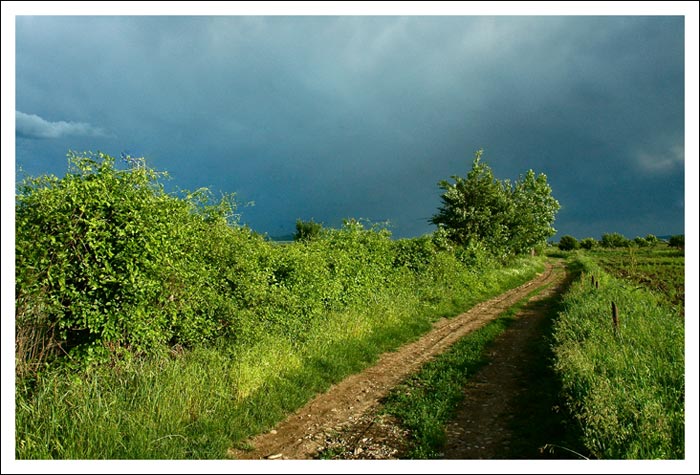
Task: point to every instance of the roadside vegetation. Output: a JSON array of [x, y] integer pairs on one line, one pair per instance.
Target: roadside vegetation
[[155, 325], [619, 351], [619, 387]]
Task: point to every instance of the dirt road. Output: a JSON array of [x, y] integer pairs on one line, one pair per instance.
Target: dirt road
[[346, 410]]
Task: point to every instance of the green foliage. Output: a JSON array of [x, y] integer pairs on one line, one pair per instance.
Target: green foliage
[[475, 208], [506, 219], [534, 211], [677, 241], [626, 386], [415, 254], [651, 240], [648, 241], [153, 325], [196, 403], [613, 240], [568, 243], [588, 243], [307, 230], [108, 258]]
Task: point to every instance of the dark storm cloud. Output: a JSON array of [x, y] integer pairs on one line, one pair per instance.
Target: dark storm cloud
[[332, 117]]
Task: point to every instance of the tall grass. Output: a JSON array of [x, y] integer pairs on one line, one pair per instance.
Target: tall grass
[[199, 402], [626, 386]]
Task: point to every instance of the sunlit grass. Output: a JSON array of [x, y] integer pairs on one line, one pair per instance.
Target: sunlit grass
[[200, 402], [626, 385]]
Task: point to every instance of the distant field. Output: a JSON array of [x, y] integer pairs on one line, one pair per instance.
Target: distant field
[[661, 269]]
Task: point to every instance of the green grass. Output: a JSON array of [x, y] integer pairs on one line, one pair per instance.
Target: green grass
[[660, 269], [426, 401], [625, 386], [198, 403]]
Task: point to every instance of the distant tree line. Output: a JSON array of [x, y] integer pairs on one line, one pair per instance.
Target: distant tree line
[[617, 240]]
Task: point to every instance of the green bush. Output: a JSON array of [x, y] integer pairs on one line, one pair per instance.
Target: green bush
[[307, 230], [588, 243], [612, 240], [677, 241], [102, 253], [415, 254], [568, 243]]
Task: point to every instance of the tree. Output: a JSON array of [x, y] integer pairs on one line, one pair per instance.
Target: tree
[[504, 218], [307, 230], [640, 241], [651, 240], [588, 243], [611, 240], [534, 209], [677, 241], [475, 208], [568, 243]]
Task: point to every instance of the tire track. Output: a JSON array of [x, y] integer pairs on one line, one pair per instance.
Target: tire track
[[303, 433]]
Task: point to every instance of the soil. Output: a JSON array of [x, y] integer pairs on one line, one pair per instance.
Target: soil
[[344, 422]]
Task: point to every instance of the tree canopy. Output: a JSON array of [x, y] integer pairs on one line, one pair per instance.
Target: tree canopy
[[506, 218]]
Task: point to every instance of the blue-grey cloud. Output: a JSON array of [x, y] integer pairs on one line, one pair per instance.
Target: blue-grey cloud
[[331, 117], [34, 127]]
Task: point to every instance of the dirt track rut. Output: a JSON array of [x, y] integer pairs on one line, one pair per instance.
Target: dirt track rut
[[351, 402]]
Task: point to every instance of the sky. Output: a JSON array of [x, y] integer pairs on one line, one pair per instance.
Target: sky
[[333, 117], [324, 111]]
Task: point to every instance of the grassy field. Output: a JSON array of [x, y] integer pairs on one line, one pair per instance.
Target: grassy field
[[625, 380], [660, 269]]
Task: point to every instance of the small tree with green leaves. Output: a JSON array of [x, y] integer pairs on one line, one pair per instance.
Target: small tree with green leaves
[[641, 242], [568, 243], [475, 208], [307, 230], [534, 210], [613, 240], [651, 240], [506, 219], [677, 241], [588, 243]]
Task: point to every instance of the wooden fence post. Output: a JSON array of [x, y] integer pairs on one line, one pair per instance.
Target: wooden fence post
[[616, 322]]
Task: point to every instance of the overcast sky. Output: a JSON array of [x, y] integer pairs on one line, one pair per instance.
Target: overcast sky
[[360, 116], [328, 117]]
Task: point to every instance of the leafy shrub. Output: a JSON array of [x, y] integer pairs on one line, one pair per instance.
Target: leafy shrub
[[641, 242], [307, 230], [588, 243], [677, 241], [416, 254], [612, 240], [106, 257], [568, 243], [651, 239]]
